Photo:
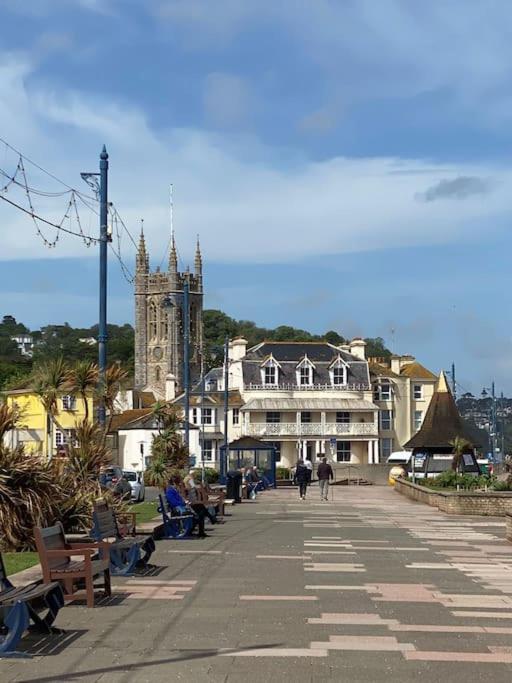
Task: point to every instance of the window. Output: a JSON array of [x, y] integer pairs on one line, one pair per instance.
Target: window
[[418, 419], [386, 447], [211, 385], [418, 392], [157, 374], [207, 416], [304, 375], [195, 416], [153, 326], [305, 417], [163, 326], [382, 391], [338, 375], [207, 450], [277, 446], [64, 437], [270, 374], [342, 417], [273, 417], [236, 416], [343, 453], [386, 419], [68, 403]]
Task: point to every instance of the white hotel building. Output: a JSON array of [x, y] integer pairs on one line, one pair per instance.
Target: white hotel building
[[309, 398]]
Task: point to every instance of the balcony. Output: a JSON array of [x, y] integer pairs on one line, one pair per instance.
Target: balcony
[[307, 387], [318, 429]]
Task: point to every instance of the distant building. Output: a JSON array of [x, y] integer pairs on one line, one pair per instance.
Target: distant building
[[159, 321], [310, 398], [25, 344], [90, 341]]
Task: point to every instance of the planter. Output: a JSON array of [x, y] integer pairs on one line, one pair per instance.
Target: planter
[[490, 503]]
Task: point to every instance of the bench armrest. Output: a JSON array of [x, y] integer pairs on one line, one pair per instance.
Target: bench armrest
[[70, 552]]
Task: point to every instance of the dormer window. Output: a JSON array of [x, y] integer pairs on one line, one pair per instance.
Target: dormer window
[[338, 372], [305, 371], [270, 372]]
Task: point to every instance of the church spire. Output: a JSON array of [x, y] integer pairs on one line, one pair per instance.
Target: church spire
[[198, 262], [142, 260], [173, 257]]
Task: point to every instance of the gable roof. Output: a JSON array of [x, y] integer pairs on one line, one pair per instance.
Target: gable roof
[[122, 419], [442, 422], [416, 371], [379, 370]]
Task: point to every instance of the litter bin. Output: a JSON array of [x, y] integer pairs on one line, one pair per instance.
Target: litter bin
[[234, 485]]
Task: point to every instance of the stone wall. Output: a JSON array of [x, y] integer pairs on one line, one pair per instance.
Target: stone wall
[[494, 503], [509, 527]]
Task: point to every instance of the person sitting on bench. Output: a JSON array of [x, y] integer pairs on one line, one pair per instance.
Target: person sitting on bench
[[197, 506], [178, 505]]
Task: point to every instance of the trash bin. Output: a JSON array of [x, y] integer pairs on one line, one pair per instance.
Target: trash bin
[[234, 485]]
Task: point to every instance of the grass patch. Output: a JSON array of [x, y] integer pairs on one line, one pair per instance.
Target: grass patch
[[16, 562], [145, 511]]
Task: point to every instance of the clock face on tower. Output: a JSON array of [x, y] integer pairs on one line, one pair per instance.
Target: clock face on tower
[[157, 353]]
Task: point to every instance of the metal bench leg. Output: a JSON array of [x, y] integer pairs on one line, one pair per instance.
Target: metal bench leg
[[16, 622]]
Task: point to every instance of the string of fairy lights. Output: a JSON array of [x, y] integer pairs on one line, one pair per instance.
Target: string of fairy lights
[[18, 192]]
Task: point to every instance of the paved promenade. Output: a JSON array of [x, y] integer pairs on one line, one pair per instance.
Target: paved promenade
[[369, 587]]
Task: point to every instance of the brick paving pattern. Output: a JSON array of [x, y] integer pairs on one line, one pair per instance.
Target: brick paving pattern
[[368, 587]]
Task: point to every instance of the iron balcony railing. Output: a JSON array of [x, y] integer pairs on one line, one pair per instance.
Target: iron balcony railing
[[313, 429], [307, 387]]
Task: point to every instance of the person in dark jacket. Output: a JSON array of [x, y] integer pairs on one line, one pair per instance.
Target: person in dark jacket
[[301, 477], [324, 474]]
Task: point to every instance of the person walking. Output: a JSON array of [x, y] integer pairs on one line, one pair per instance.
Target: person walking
[[309, 465], [301, 477], [324, 474]]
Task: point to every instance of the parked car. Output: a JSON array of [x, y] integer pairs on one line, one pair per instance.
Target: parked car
[[136, 482], [110, 476]]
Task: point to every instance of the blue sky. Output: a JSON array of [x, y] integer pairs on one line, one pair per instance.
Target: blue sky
[[345, 162]]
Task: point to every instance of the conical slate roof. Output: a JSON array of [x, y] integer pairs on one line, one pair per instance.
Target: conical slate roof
[[442, 422]]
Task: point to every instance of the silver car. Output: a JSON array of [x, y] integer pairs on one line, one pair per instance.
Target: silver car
[[137, 484]]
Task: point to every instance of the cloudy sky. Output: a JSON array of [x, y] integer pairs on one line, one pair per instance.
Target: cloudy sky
[[347, 163]]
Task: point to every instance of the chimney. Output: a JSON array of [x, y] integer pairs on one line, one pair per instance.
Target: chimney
[[396, 364], [358, 348], [170, 387], [237, 348]]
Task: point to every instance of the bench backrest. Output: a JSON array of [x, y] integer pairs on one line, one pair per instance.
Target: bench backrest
[[105, 525], [162, 504], [51, 538]]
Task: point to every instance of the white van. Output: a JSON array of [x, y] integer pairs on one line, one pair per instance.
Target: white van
[[399, 458]]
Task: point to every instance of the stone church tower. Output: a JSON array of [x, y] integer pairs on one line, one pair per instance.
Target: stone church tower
[[159, 321]]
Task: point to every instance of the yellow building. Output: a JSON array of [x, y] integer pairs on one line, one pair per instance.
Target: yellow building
[[36, 431]]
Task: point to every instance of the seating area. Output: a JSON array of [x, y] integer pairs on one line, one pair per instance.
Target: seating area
[[79, 570]]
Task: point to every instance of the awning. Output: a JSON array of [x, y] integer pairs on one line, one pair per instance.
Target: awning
[[282, 404]]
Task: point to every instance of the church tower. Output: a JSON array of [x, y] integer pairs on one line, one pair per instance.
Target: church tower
[[159, 321]]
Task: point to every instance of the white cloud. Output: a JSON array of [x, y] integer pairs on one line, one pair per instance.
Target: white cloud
[[248, 203]]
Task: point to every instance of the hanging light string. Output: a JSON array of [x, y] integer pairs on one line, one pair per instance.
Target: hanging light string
[[71, 214]]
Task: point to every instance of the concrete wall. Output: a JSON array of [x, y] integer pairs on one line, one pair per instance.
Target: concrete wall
[[493, 503]]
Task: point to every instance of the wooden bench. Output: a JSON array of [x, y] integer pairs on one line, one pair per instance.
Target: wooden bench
[[176, 526], [125, 552], [55, 555], [22, 605]]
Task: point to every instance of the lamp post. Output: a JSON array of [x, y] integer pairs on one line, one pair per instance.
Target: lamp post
[[492, 428]]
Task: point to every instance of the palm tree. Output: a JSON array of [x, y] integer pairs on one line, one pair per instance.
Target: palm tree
[[460, 446], [115, 377], [49, 381], [83, 379]]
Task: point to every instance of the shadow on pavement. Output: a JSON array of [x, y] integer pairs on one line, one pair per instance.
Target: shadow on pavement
[[186, 656]]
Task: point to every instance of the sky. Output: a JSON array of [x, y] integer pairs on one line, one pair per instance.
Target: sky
[[346, 163]]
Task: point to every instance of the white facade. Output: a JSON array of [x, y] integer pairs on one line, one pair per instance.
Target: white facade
[[134, 446], [310, 399]]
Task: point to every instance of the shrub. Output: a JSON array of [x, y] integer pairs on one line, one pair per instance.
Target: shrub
[[282, 472], [451, 480]]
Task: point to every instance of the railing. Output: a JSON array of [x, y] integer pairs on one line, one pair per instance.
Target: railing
[[313, 429], [307, 387]]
